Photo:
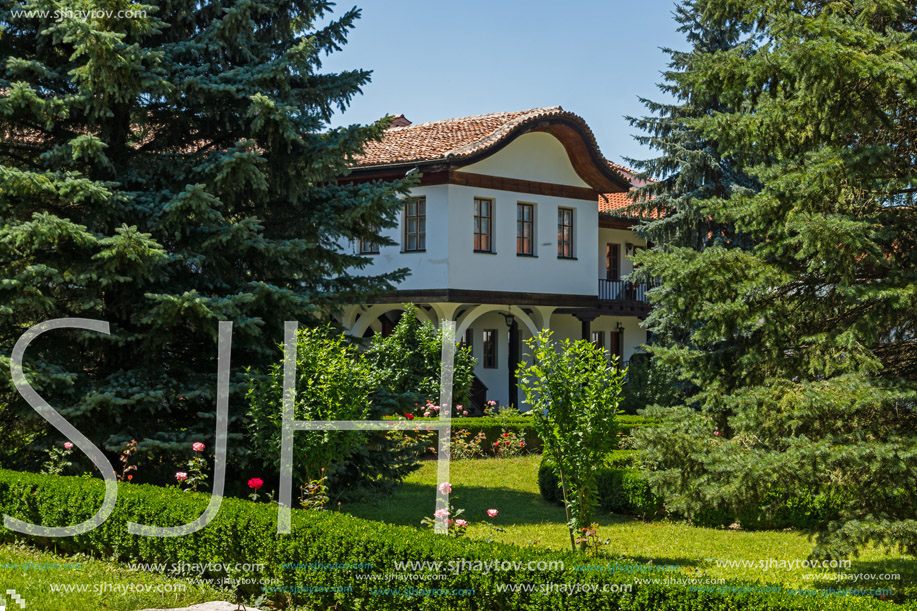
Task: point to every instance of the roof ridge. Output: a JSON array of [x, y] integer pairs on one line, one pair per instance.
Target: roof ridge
[[490, 115], [501, 130]]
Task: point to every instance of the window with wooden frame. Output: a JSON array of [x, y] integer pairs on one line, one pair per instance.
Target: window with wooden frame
[[415, 224], [598, 339], [525, 229], [613, 262], [483, 225], [490, 349], [368, 248], [565, 233]]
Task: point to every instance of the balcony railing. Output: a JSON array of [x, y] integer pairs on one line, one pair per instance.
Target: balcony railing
[[621, 290]]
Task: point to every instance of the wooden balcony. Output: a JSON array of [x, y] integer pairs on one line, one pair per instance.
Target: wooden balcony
[[621, 290], [620, 297]]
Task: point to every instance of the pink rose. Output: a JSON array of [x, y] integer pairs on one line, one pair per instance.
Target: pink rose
[[426, 414], [255, 483], [68, 445], [461, 523], [465, 412], [445, 488], [441, 513], [436, 408], [181, 476], [197, 446], [492, 513]]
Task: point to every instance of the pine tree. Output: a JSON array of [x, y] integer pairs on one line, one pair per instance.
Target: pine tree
[[163, 172], [803, 340]]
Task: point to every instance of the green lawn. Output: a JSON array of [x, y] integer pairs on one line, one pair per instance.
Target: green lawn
[[104, 585], [511, 486]]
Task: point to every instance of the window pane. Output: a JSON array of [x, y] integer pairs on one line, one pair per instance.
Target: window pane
[[422, 207]]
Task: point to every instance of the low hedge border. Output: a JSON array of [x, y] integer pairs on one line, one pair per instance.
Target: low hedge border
[[245, 532], [620, 490], [623, 489], [493, 427]]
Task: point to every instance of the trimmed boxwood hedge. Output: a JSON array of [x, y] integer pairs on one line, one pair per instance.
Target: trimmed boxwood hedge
[[493, 427], [623, 489], [620, 490], [245, 532]]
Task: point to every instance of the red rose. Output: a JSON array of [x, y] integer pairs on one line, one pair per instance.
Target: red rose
[[409, 416], [255, 483]]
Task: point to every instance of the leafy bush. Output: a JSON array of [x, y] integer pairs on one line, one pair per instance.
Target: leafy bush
[[332, 383], [574, 394], [245, 532], [618, 490], [405, 365]]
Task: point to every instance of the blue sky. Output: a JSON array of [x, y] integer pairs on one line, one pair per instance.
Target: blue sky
[[435, 60]]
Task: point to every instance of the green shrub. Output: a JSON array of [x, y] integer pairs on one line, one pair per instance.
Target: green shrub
[[407, 362], [619, 490], [623, 489], [245, 532], [574, 395]]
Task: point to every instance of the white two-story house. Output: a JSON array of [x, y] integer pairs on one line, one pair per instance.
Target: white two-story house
[[517, 225]]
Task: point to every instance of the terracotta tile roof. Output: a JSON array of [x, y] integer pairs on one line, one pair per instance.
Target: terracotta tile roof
[[615, 205], [458, 138]]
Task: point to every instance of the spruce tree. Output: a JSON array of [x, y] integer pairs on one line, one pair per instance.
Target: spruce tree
[[163, 172], [803, 340], [688, 172]]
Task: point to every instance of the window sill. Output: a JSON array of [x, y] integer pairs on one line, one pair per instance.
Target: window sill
[[484, 252], [522, 254], [567, 259], [410, 251], [363, 254]]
